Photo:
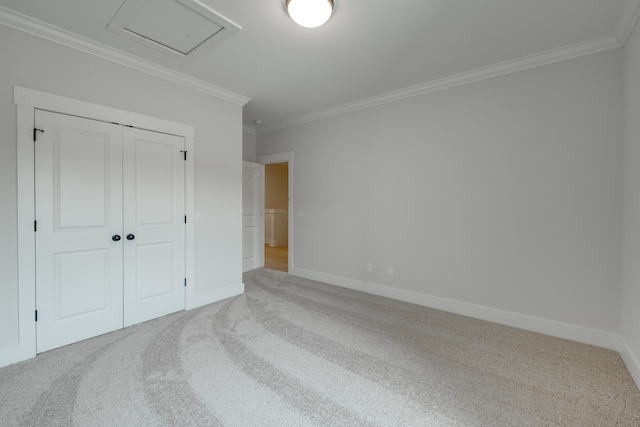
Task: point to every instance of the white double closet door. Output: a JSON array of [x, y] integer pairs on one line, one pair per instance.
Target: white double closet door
[[110, 238]]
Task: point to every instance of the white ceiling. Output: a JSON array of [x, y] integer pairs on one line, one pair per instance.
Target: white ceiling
[[369, 51]]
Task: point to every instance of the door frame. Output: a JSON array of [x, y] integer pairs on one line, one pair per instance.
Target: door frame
[[27, 101], [269, 159]]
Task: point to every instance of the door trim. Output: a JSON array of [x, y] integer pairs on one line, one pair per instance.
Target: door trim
[[27, 101], [281, 158]]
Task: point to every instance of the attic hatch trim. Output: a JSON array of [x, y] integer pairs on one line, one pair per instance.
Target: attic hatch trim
[[130, 8]]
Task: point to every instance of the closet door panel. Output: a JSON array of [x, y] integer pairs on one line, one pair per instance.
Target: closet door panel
[[78, 168], [154, 258]]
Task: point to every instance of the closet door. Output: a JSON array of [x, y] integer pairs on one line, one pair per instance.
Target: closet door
[[79, 251], [154, 225]]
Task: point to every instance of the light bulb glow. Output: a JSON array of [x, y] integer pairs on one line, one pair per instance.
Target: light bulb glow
[[310, 13]]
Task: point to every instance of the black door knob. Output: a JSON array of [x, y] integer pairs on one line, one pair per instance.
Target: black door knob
[[130, 237], [115, 238]]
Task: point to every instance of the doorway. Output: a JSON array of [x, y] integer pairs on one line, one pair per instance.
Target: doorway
[[278, 211], [276, 216]]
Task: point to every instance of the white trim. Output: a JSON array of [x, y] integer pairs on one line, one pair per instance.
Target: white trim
[[218, 295], [281, 158], [26, 345], [42, 29], [249, 129], [273, 242], [27, 101], [631, 360], [88, 110], [627, 20], [544, 326], [38, 28], [545, 58], [190, 206], [277, 212]]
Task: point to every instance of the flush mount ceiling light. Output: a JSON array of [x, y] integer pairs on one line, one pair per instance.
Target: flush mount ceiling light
[[310, 13]]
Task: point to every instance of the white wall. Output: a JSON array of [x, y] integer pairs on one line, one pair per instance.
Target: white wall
[[248, 146], [35, 63], [504, 194], [630, 318]]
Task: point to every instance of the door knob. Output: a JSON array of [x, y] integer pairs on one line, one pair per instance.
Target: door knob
[[130, 237], [115, 238]]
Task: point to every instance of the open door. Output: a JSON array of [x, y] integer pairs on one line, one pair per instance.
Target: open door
[[252, 216]]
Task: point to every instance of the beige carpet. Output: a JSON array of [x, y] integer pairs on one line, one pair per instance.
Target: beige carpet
[[292, 352]]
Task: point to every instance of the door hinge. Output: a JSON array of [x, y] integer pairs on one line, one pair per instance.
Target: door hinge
[[185, 154], [185, 282], [36, 315], [35, 131], [35, 226]]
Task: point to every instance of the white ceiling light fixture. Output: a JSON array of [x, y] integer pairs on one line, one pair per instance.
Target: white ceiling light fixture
[[310, 13]]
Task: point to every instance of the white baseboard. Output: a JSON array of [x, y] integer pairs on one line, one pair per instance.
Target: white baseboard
[[631, 360], [581, 334], [216, 295], [17, 353]]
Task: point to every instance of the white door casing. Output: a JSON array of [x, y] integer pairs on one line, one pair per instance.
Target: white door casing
[[252, 216], [27, 102], [154, 215], [78, 210]]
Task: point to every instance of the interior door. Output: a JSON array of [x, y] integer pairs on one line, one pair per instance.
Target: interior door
[[252, 214], [79, 251], [154, 225]]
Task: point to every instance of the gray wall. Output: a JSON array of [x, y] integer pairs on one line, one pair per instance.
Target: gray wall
[[248, 146], [504, 193], [35, 63], [630, 319]]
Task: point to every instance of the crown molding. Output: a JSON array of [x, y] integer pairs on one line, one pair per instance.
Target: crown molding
[[627, 20], [38, 28], [249, 129], [524, 63]]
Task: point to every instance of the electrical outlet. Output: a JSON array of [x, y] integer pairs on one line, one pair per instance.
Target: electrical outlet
[[390, 270], [369, 267]]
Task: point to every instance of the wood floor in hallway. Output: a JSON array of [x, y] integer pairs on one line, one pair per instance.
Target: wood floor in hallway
[[276, 257]]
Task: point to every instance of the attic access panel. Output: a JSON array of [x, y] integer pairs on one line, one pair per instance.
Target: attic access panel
[[185, 29]]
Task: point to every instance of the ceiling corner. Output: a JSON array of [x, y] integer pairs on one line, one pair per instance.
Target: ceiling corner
[[627, 20]]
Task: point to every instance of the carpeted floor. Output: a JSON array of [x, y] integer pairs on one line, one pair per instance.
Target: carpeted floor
[[291, 352]]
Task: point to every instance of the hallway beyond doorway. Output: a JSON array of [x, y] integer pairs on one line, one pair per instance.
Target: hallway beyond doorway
[[276, 257]]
